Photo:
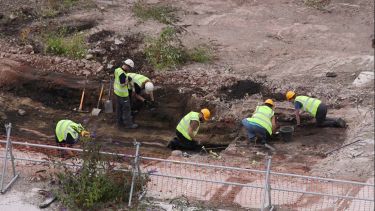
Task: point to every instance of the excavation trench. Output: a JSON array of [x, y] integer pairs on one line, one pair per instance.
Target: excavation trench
[[49, 97]]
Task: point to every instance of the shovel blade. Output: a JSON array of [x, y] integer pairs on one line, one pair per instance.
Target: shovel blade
[[108, 107], [95, 112]]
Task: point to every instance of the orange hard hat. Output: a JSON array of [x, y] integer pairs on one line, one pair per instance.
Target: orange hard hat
[[269, 101], [206, 114], [290, 95]]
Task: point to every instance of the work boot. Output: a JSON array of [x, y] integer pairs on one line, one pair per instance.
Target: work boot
[[132, 126], [341, 123]]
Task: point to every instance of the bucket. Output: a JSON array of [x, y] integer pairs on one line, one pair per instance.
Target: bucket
[[286, 133]]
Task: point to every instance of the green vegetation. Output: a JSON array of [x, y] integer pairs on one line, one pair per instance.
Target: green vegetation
[[96, 184], [162, 13], [73, 46], [318, 4], [52, 8], [167, 51], [201, 54]]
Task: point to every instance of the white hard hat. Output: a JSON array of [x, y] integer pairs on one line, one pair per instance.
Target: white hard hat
[[129, 62], [149, 87]]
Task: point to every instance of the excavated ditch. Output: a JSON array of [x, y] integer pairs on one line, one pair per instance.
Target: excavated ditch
[[50, 97]]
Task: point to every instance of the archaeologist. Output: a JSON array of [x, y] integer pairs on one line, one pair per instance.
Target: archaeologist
[[68, 133], [187, 129], [121, 83], [315, 108], [261, 124], [140, 84]]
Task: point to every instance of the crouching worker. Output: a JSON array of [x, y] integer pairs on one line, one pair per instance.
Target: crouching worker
[[261, 124], [68, 133], [315, 108], [187, 129], [141, 85]]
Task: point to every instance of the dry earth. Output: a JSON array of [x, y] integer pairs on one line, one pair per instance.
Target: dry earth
[[276, 45]]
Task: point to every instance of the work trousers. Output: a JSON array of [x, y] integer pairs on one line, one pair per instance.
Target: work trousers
[[183, 143], [254, 131], [321, 117], [123, 111]]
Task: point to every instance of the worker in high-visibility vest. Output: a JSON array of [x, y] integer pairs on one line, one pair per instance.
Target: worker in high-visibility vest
[[120, 86], [315, 108], [69, 132], [187, 129], [261, 124], [141, 85]]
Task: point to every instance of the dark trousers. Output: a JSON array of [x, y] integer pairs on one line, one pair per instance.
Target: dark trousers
[[255, 131], [123, 111], [69, 140], [321, 117], [182, 143]]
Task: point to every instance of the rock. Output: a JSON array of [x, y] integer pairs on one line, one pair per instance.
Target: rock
[[89, 56], [109, 66], [331, 74], [57, 60], [117, 41], [177, 153], [101, 68], [21, 112], [85, 72], [365, 77], [12, 16], [29, 49], [81, 65]]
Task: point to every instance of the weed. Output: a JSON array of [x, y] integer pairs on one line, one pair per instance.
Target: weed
[[318, 4], [95, 184], [73, 46], [166, 50], [162, 13], [201, 54]]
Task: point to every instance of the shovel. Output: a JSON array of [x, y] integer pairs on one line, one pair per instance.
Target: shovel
[[108, 106], [80, 108], [96, 111]]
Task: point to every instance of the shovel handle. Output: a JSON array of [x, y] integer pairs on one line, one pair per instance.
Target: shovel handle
[[100, 95], [81, 103]]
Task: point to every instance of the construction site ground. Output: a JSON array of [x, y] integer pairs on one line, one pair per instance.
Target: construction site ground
[[262, 49]]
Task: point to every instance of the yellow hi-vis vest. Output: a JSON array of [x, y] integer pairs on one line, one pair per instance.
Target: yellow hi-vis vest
[[263, 117], [65, 127], [309, 104], [121, 91], [138, 78], [183, 126]]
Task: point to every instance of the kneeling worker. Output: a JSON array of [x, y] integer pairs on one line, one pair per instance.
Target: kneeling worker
[[261, 124], [69, 132], [187, 129], [315, 108], [141, 83]]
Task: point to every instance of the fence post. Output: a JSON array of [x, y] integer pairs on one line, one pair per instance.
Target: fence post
[[267, 187], [8, 148], [135, 168]]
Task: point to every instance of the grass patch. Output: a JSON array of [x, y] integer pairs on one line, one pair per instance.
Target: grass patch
[[162, 13], [52, 8], [317, 4], [96, 185], [73, 46], [200, 54], [167, 51]]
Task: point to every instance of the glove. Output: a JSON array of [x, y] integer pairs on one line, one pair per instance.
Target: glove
[[85, 133]]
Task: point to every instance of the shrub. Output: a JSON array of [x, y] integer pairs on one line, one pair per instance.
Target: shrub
[[95, 184], [166, 50], [201, 54], [162, 13], [73, 46]]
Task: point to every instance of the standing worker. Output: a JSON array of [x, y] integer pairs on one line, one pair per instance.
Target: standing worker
[[315, 108], [261, 124], [123, 111], [187, 129], [69, 132], [141, 83]]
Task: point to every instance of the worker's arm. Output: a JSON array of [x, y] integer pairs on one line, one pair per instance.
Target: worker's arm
[[122, 80], [298, 119], [193, 126], [274, 125]]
